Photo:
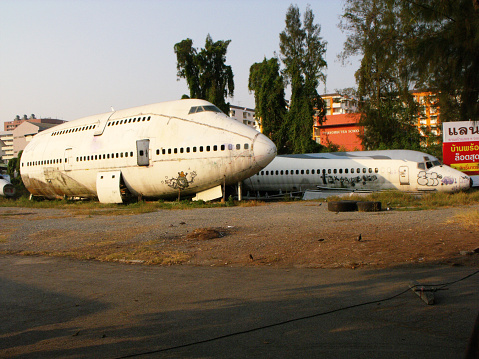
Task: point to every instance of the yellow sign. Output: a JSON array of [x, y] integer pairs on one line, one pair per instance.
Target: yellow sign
[[464, 167]]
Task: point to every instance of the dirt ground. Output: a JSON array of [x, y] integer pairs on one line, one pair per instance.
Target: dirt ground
[[295, 234]]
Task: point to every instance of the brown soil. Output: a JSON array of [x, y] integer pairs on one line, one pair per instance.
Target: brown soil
[[297, 234]]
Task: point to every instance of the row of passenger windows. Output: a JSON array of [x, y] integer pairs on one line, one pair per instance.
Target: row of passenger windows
[[318, 171], [44, 162], [71, 130], [129, 120], [169, 151], [111, 123], [164, 151], [105, 156]]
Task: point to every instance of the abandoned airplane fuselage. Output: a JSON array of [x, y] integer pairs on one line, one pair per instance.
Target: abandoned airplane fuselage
[[159, 150]]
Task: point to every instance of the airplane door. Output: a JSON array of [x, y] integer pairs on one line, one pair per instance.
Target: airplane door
[[68, 159], [404, 175], [142, 152]]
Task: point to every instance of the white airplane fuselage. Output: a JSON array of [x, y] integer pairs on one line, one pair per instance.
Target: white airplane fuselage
[[158, 150], [6, 188], [402, 170]]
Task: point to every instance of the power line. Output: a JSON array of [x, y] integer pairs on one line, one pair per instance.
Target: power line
[[181, 346]]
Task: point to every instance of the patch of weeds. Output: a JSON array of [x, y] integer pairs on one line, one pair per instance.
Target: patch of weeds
[[466, 218]]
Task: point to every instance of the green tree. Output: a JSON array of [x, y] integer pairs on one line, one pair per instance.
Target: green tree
[[205, 71], [381, 31], [267, 84], [302, 50], [446, 54]]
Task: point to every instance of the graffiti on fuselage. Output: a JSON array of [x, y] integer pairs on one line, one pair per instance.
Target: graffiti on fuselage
[[432, 179], [350, 181], [182, 181]]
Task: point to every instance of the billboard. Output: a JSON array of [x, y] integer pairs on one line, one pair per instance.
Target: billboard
[[460, 148]]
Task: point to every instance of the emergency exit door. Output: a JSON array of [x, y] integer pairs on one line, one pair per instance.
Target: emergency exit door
[[404, 175], [142, 152]]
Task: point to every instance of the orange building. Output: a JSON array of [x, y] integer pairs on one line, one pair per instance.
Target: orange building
[[428, 113], [341, 130], [341, 126]]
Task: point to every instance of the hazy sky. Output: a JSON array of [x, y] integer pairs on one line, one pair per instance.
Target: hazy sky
[[72, 58]]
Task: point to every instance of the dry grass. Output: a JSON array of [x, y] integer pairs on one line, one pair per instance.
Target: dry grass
[[415, 201], [466, 218]]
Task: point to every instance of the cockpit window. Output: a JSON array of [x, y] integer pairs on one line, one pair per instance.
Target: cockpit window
[[209, 108], [428, 164]]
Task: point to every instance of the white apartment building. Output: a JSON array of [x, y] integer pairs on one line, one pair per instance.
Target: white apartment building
[[245, 115], [6, 143]]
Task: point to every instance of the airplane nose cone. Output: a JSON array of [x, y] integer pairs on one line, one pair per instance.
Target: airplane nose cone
[[264, 150]]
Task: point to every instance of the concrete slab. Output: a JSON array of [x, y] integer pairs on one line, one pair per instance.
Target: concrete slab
[[55, 307]]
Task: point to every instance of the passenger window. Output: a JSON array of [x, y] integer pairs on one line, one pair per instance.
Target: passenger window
[[208, 148], [307, 172], [346, 170], [169, 151], [262, 173], [364, 170], [157, 151], [297, 172], [187, 149], [222, 147], [287, 172], [281, 172], [340, 170], [370, 170], [312, 172], [181, 150], [230, 146], [329, 170], [194, 149], [238, 146], [376, 170], [215, 148], [201, 148], [277, 172], [245, 146], [175, 150], [267, 173]]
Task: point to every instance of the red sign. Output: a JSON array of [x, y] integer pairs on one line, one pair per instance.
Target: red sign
[[463, 156]]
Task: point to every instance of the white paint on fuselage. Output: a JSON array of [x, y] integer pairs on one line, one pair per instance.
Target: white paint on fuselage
[[402, 170], [191, 152]]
